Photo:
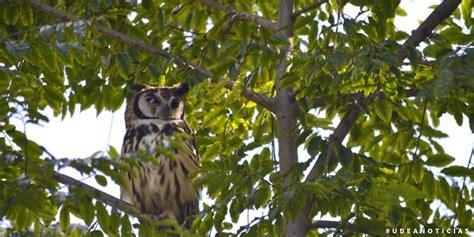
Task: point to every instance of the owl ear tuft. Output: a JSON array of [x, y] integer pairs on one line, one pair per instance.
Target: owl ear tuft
[[137, 87], [181, 90]]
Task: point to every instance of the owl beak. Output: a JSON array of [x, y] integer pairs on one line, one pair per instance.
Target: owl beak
[[167, 112]]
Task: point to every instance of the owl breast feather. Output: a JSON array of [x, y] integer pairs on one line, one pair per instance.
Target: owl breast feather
[[162, 189]]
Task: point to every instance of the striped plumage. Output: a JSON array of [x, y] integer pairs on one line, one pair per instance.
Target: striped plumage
[[154, 120]]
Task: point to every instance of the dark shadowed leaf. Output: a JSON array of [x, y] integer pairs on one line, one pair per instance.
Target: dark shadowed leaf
[[458, 171], [440, 160]]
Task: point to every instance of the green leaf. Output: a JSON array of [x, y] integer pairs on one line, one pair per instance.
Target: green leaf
[[101, 180], [314, 145], [126, 229], [123, 65], [466, 11], [147, 4], [113, 153], [206, 223], [440, 160], [400, 11], [345, 156], [429, 185], [88, 212], [235, 210], [407, 191], [458, 171], [154, 71], [417, 171], [54, 97], [4, 81], [383, 109], [289, 80], [373, 226], [262, 195], [21, 221], [389, 58], [102, 216], [64, 219], [296, 201], [48, 57], [10, 14], [96, 233], [26, 15]]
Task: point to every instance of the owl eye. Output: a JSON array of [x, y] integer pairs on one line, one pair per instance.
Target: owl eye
[[175, 103], [153, 100]]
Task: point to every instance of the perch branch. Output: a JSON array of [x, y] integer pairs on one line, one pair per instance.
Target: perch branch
[[309, 8], [262, 21], [149, 48], [103, 197]]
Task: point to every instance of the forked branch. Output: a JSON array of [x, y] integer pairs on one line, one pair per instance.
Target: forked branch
[[443, 11]]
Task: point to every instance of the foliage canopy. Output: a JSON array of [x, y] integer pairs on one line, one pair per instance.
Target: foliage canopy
[[267, 77]]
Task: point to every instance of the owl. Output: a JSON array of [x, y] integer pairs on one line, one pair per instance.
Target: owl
[[160, 186]]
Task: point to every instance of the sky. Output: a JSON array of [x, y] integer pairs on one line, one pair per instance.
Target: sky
[[85, 133]]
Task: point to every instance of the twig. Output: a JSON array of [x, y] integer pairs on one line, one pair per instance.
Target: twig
[[422, 125], [463, 189], [262, 21], [309, 8]]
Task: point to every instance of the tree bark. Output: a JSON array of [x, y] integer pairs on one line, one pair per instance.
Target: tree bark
[[286, 110]]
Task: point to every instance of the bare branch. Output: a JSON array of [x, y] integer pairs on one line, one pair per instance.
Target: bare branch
[[309, 8], [151, 49], [262, 21]]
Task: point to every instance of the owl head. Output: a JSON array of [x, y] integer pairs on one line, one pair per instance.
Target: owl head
[[151, 102]]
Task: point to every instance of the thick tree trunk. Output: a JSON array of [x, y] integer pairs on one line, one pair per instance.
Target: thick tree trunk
[[286, 111]]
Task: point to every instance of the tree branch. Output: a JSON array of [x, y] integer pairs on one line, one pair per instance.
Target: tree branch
[[264, 101], [443, 11], [103, 197], [151, 49], [259, 20], [309, 8]]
